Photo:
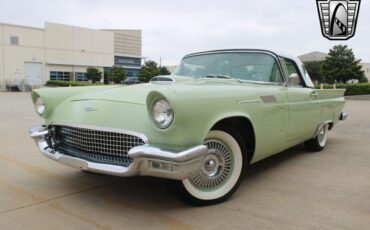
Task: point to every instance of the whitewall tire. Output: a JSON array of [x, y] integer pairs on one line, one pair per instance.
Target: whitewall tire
[[318, 143], [221, 170]]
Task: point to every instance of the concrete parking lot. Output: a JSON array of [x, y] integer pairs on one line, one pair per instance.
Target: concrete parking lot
[[293, 190]]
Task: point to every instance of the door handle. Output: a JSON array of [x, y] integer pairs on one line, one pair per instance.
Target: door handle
[[314, 94]]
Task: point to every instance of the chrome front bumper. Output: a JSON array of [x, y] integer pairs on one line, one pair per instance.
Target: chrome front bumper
[[147, 160]]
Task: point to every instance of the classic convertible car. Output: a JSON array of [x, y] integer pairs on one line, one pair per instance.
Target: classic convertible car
[[201, 126]]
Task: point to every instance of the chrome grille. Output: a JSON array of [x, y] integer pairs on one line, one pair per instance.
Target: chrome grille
[[95, 145]]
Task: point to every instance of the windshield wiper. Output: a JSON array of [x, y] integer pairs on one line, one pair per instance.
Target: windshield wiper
[[218, 76]]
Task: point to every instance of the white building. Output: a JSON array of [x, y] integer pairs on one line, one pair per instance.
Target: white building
[[32, 56], [320, 56]]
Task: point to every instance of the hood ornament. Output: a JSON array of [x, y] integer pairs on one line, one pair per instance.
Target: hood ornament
[[90, 108]]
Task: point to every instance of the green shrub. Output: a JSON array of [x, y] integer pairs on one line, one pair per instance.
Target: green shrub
[[351, 89], [70, 83]]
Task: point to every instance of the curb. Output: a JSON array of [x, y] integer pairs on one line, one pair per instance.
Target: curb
[[358, 98]]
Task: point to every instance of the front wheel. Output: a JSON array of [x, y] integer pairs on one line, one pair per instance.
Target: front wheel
[[220, 173]]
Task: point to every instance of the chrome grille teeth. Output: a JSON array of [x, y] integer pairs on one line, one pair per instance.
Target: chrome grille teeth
[[95, 145]]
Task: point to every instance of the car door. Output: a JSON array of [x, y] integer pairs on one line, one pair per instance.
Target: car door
[[303, 112]]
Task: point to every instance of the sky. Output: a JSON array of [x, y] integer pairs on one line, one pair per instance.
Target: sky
[[172, 29]]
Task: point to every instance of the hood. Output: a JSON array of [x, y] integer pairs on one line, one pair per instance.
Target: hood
[[135, 94], [181, 86]]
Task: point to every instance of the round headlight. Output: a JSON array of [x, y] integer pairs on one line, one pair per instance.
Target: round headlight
[[40, 106], [162, 113]]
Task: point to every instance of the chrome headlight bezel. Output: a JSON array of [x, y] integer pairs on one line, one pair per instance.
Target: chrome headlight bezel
[[162, 113], [40, 106]]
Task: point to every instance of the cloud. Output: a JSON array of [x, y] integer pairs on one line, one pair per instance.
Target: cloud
[[172, 29]]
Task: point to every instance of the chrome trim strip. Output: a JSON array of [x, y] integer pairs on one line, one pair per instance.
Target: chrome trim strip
[[98, 128], [147, 160], [248, 101]]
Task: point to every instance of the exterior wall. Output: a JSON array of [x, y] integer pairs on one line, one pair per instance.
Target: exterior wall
[[13, 57], [131, 65], [127, 43], [67, 45], [128, 51], [366, 68], [63, 48], [319, 56], [313, 56]]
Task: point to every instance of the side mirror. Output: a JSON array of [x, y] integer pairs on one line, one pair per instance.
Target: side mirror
[[294, 79]]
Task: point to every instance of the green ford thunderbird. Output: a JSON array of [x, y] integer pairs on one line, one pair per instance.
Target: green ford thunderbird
[[200, 127]]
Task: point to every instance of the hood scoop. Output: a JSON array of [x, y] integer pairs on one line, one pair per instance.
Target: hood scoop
[[163, 80]]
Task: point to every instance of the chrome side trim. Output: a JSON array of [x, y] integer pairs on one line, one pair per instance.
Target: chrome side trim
[[98, 128], [248, 101], [147, 160]]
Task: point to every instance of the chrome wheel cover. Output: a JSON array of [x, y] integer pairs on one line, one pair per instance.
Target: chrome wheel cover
[[216, 166], [322, 136]]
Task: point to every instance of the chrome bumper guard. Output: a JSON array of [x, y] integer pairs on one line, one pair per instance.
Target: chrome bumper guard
[[147, 160], [343, 116]]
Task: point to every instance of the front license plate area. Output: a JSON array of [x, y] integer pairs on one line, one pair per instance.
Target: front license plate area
[[75, 163]]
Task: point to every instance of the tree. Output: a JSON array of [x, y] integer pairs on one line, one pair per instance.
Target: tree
[[93, 74], [314, 70], [148, 71], [341, 66], [117, 74], [164, 71]]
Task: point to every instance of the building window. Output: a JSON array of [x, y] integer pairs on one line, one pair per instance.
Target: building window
[[60, 76], [130, 74], [14, 40], [127, 61], [81, 76]]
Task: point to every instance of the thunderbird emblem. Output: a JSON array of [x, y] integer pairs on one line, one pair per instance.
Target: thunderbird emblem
[[89, 108], [338, 18]]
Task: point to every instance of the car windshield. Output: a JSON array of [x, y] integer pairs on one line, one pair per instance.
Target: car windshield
[[248, 66]]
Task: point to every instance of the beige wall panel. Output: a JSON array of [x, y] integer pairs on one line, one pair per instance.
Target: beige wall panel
[[16, 56], [93, 41], [366, 69], [78, 39], [27, 36], [58, 36], [78, 58]]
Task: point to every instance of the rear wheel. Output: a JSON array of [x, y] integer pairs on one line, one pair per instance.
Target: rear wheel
[[220, 173], [318, 143]]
